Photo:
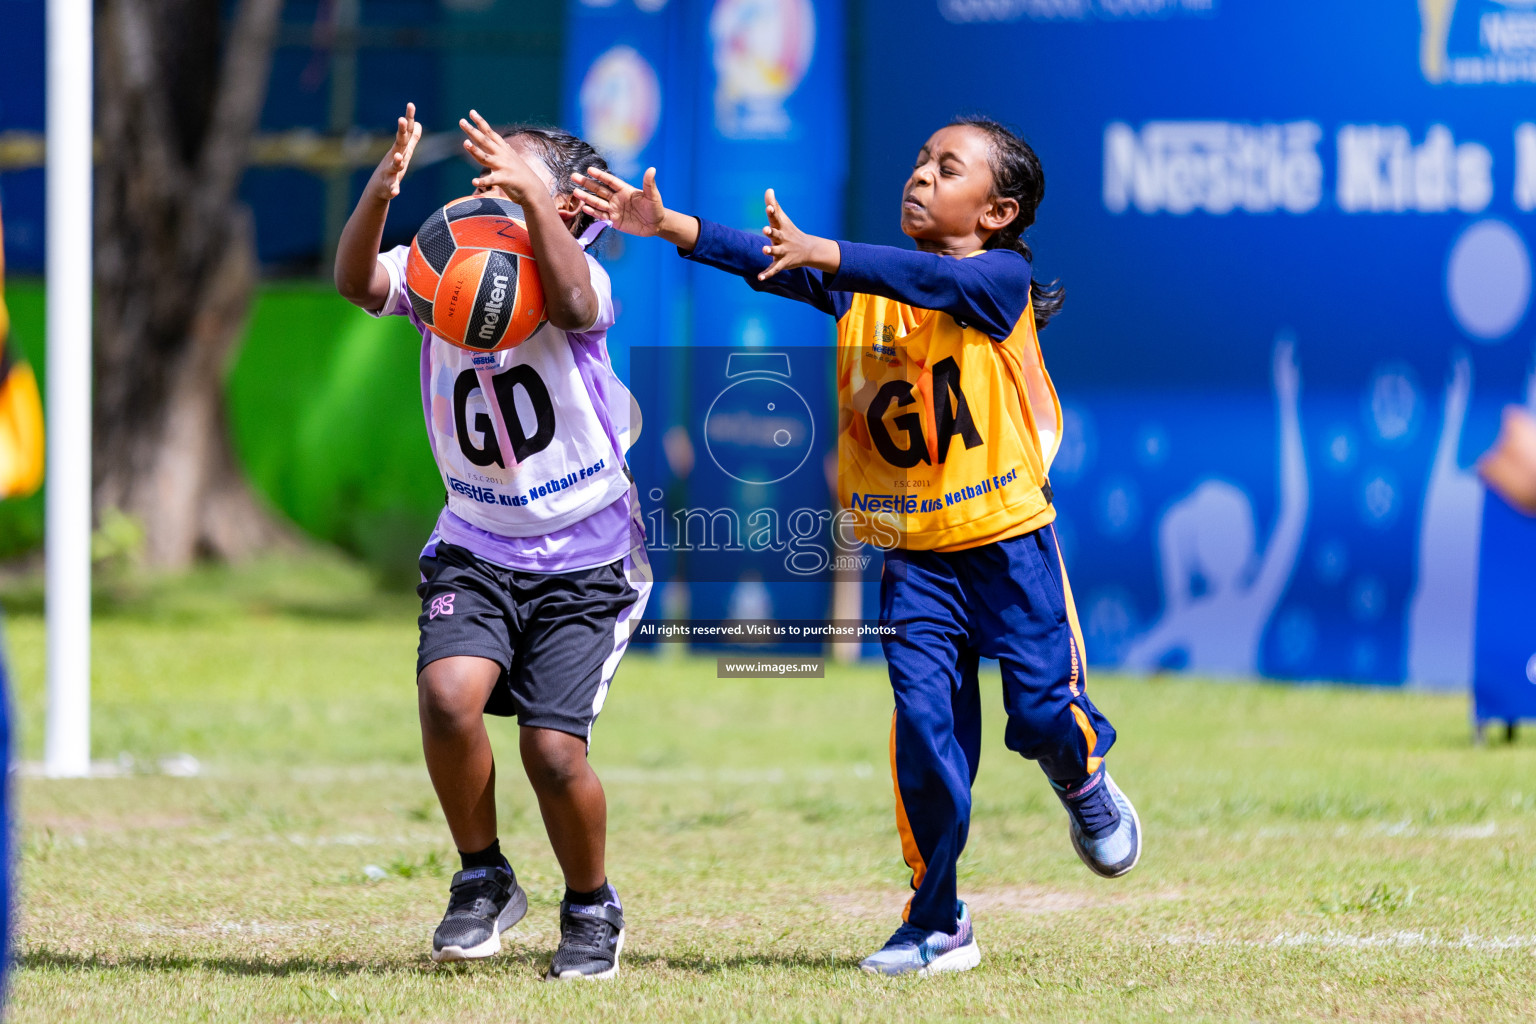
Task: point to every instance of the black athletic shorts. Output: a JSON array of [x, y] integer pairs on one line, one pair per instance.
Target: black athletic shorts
[[557, 636]]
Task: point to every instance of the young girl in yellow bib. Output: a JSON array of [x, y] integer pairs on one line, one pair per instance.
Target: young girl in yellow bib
[[948, 423]]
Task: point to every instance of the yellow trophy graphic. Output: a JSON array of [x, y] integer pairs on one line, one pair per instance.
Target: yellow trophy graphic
[[1435, 32]]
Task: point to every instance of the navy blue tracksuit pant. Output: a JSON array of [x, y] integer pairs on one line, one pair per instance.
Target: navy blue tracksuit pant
[[1008, 600]]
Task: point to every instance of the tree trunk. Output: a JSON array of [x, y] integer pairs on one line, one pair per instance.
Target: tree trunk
[[175, 269]]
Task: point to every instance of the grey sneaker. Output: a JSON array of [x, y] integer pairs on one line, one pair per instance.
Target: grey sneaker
[[1105, 831], [482, 903], [911, 950], [591, 939]]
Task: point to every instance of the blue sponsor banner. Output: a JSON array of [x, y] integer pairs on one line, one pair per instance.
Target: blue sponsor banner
[[1296, 245], [622, 93], [765, 107], [769, 109]]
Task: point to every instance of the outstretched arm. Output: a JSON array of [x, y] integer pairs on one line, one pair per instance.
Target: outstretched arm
[[570, 301], [1280, 557], [359, 277], [989, 291], [640, 211], [635, 211]]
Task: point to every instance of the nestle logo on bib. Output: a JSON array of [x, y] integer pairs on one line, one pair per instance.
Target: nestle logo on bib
[[493, 307], [484, 360]]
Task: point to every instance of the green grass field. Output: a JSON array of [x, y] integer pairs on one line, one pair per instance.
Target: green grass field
[[1312, 853]]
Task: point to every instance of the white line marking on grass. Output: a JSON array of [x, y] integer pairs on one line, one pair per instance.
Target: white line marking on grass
[[177, 766], [1342, 940], [1483, 830], [1389, 829]]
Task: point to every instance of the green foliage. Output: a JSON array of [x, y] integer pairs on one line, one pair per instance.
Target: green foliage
[[325, 409], [325, 415], [117, 544], [21, 519]]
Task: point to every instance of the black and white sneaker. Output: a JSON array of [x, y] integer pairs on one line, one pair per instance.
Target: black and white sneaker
[[591, 938], [482, 903]]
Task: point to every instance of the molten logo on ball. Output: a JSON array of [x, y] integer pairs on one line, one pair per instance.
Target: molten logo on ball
[[493, 308], [471, 276]]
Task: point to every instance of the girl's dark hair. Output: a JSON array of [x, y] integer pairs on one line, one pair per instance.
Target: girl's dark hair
[[1017, 175], [563, 153]]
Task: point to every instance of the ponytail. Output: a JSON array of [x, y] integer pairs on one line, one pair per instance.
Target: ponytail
[[1017, 175]]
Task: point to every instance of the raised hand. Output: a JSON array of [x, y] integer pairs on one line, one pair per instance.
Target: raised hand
[[792, 247], [634, 211], [385, 183], [504, 168]]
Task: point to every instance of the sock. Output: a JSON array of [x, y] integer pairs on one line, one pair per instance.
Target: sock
[[490, 857], [598, 895]]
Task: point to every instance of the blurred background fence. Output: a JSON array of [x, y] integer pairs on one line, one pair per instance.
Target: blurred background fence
[[1295, 240]]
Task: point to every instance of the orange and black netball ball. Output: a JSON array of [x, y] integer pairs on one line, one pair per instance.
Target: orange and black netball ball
[[471, 276]]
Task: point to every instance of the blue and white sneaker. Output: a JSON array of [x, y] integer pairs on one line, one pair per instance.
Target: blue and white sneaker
[[911, 950], [1106, 833]]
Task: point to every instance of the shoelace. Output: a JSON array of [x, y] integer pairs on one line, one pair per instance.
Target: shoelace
[[1095, 810], [907, 935], [586, 931], [477, 897]]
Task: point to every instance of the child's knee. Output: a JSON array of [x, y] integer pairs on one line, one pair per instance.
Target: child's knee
[[450, 698], [553, 759]]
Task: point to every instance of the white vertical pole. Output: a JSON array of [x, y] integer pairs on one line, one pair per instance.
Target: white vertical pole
[[70, 140]]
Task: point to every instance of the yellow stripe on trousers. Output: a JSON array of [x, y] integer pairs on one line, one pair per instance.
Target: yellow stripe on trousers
[[1079, 659], [909, 850]]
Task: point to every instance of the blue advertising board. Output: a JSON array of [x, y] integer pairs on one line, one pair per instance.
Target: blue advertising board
[[623, 96], [769, 109], [726, 98]]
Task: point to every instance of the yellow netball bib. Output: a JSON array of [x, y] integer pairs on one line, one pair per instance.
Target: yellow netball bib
[[944, 435]]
